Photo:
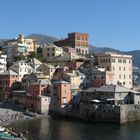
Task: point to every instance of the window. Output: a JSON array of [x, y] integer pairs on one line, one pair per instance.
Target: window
[[107, 67], [124, 68], [119, 76], [124, 61], [113, 68], [129, 76], [113, 60], [6, 88], [101, 61], [65, 92], [119, 61], [124, 76], [119, 68], [48, 54]]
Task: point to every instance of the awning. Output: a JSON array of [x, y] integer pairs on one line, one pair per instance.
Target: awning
[[112, 99], [97, 101]]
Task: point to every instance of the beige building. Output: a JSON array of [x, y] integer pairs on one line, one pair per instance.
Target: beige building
[[120, 65], [51, 51], [29, 44], [46, 70]]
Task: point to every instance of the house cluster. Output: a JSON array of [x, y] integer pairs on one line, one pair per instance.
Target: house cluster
[[65, 75]]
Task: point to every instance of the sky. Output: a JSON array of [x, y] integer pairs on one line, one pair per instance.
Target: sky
[[109, 23]]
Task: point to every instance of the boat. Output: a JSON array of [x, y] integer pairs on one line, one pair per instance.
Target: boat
[[2, 129], [9, 138]]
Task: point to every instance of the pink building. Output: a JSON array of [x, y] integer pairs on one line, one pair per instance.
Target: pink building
[[7, 80], [61, 94], [101, 77], [34, 90]]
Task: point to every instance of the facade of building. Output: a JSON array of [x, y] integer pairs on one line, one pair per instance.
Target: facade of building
[[77, 79], [22, 68], [46, 70], [61, 94], [100, 77], [111, 94], [69, 50], [7, 80], [34, 63], [78, 41], [26, 44], [51, 51], [18, 46], [62, 59], [38, 96], [3, 62], [120, 65]]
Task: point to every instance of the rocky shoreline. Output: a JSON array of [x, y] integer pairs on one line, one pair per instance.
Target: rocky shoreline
[[11, 113]]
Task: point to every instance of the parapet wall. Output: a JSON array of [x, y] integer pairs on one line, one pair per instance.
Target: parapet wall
[[129, 113]]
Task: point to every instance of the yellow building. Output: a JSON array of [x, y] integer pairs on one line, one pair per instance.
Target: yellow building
[[50, 51], [26, 43]]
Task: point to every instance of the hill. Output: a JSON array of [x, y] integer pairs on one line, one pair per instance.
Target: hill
[[43, 39]]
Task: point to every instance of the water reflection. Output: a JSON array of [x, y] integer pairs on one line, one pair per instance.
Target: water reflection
[[49, 129]]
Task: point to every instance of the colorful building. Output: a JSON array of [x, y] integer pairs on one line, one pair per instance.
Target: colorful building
[[100, 77], [120, 65], [61, 94], [78, 41], [22, 68], [7, 80], [38, 93], [50, 51]]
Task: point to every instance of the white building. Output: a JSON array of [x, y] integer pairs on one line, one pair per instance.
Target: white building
[[35, 63], [120, 65], [3, 62], [22, 68]]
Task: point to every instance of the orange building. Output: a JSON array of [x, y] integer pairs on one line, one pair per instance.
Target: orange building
[[61, 94], [78, 41]]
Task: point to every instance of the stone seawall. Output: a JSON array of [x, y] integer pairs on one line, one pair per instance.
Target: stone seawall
[[94, 113], [102, 113], [129, 113]]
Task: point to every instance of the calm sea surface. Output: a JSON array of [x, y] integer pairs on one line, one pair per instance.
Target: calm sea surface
[[50, 129]]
